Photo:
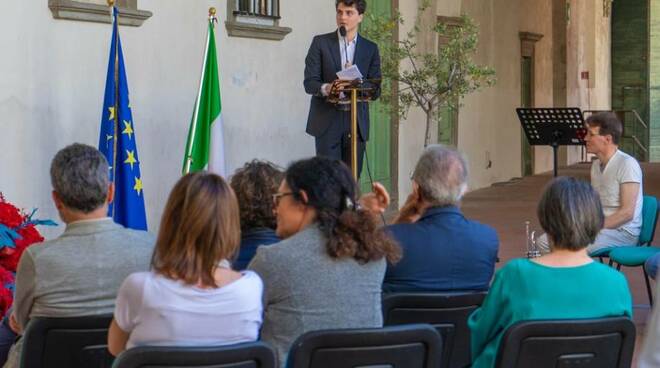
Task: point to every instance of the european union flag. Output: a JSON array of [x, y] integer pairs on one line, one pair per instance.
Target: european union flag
[[117, 141]]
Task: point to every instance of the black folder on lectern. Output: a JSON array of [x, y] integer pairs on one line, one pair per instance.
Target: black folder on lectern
[[553, 126]]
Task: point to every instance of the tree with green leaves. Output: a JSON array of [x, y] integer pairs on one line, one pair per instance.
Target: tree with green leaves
[[431, 79]]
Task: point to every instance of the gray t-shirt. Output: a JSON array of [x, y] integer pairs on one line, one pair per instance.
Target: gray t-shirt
[[620, 169]]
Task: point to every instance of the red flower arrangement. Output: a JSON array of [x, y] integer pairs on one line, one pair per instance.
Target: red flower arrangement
[[17, 232]]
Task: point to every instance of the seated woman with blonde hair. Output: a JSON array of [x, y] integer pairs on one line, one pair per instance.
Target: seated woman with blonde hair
[[191, 296], [563, 284]]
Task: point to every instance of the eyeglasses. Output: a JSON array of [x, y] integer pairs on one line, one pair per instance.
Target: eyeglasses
[[278, 196]]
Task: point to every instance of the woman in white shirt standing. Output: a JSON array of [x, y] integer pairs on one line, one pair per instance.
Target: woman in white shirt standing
[[191, 296]]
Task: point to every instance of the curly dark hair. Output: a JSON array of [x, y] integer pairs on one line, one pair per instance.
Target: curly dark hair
[[332, 192], [254, 185]]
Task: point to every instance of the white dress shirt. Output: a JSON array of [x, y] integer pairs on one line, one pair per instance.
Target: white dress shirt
[[350, 48], [345, 61]]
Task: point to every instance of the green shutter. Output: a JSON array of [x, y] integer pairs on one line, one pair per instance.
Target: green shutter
[[380, 130]]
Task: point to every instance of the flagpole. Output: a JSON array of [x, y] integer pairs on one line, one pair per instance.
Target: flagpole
[[193, 127], [115, 21]]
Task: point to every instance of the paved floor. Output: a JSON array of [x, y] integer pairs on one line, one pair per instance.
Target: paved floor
[[506, 207]]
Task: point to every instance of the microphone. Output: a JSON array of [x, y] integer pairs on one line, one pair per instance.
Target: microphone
[[342, 33]]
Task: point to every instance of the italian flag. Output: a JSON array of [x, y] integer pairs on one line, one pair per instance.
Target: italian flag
[[205, 146]]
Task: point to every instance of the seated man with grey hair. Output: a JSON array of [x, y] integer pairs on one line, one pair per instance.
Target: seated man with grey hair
[[442, 250], [78, 273]]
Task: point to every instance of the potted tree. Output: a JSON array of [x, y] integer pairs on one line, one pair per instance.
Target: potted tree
[[429, 79]]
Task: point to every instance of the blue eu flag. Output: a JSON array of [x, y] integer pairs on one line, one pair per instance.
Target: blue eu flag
[[117, 141]]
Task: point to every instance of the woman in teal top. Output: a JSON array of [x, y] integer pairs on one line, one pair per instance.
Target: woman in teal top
[[564, 284]]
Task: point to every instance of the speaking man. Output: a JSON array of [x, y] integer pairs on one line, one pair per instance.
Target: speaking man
[[328, 54]]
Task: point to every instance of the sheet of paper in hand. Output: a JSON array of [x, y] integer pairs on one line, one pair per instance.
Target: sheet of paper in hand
[[350, 73]]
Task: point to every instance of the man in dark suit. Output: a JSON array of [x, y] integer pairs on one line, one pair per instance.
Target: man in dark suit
[[442, 250], [328, 54]]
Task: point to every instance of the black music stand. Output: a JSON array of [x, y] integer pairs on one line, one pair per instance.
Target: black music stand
[[553, 126]]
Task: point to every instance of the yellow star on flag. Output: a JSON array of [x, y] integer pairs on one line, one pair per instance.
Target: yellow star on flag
[[131, 158], [138, 185], [127, 129], [112, 113]]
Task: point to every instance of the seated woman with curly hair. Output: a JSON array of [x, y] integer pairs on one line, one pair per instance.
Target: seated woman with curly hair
[[254, 185], [328, 271]]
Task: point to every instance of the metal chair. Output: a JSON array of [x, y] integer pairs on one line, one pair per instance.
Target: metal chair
[[582, 343], [408, 346], [66, 342], [447, 312], [246, 355], [636, 256]]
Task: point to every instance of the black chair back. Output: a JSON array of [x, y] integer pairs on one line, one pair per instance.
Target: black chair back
[[413, 346], [448, 313], [246, 355], [66, 342], [585, 343]]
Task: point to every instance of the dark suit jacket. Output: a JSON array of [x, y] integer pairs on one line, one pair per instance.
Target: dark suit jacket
[[322, 63], [250, 241], [443, 251]]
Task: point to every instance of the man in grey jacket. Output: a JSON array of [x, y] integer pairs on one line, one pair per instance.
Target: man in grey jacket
[[78, 273]]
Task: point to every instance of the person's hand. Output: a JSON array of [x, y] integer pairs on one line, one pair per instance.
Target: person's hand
[[326, 88], [13, 324], [340, 85], [377, 200], [411, 211]]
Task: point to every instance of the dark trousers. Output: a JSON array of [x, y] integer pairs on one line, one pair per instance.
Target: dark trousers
[[7, 338], [336, 143]]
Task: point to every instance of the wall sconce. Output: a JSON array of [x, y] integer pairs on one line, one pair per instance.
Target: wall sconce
[[607, 8]]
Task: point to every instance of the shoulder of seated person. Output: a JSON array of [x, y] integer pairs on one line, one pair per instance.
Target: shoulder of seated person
[[627, 158], [139, 235], [138, 278], [604, 268], [479, 225], [610, 276], [283, 250], [514, 266], [251, 277], [272, 250], [404, 226], [37, 248], [483, 228]]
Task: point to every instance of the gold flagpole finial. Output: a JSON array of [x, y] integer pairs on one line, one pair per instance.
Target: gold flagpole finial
[[212, 18], [111, 3]]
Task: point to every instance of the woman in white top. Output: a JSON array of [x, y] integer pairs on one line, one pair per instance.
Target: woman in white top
[[191, 296]]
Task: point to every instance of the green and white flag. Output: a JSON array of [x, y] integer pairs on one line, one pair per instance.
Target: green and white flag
[[205, 147]]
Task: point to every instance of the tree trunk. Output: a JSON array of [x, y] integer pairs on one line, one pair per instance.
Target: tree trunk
[[429, 122]]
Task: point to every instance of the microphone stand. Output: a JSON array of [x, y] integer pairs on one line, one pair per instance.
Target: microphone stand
[[343, 34]]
